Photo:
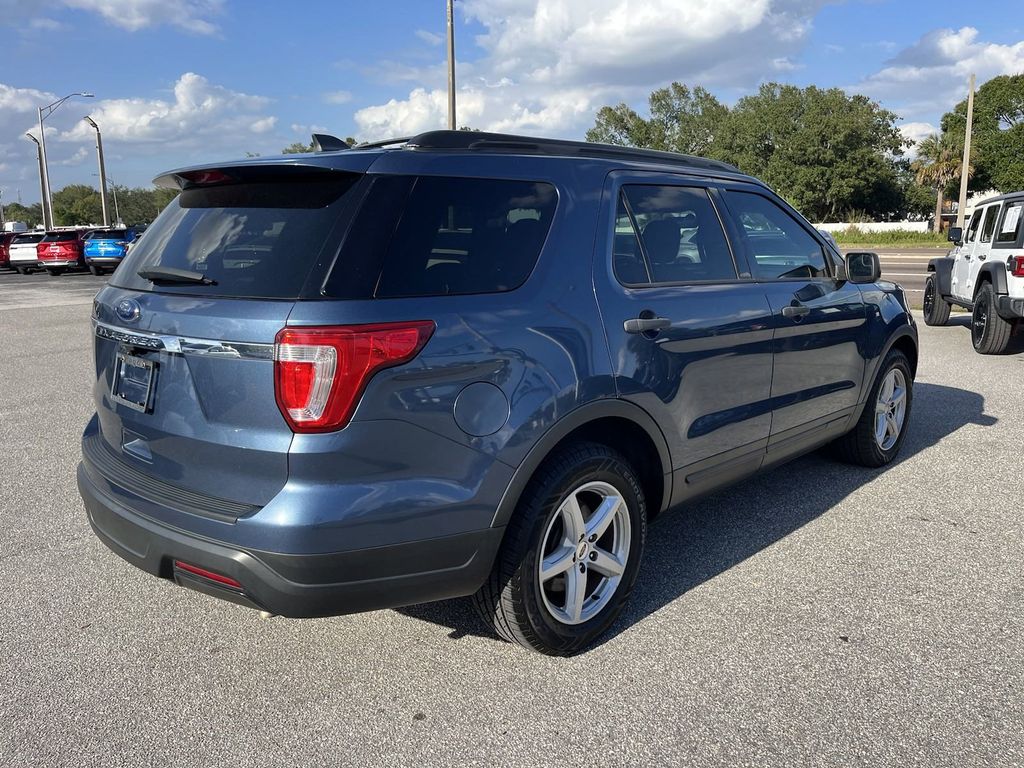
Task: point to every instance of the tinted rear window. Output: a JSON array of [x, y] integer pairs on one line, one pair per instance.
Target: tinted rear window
[[436, 236], [60, 237], [23, 239], [106, 234], [254, 239]]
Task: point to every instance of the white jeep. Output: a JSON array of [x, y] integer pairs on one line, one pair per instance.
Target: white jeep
[[984, 273]]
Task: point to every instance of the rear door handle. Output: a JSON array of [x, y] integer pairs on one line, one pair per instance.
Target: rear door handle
[[795, 311], [642, 324]]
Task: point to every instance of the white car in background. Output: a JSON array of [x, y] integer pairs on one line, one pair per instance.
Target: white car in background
[[23, 252]]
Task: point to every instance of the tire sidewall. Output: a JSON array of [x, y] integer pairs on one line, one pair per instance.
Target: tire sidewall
[[983, 300], [617, 473], [893, 360]]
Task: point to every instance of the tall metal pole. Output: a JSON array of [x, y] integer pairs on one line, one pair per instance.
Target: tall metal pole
[[451, 65], [103, 171], [42, 185], [967, 157], [47, 210]]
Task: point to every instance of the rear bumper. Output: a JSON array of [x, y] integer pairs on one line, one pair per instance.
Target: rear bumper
[[1009, 308], [57, 263], [297, 585]]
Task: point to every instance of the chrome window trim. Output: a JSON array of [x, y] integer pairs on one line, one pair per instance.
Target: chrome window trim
[[184, 345]]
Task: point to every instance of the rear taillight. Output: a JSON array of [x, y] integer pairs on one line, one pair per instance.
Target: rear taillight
[[320, 373], [1016, 265]]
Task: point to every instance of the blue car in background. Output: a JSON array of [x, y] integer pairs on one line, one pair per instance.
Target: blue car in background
[[104, 248]]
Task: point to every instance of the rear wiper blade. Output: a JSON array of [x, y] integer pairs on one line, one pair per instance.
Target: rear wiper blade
[[174, 275]]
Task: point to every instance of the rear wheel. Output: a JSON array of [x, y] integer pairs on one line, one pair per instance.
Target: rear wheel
[[95, 270], [22, 270], [936, 309], [571, 553], [879, 433], [55, 272], [990, 333]]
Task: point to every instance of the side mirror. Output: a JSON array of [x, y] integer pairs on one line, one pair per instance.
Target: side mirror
[[956, 235], [863, 267]]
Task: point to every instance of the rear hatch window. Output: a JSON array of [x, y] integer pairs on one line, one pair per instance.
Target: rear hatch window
[[60, 237], [106, 234], [254, 239], [26, 239]]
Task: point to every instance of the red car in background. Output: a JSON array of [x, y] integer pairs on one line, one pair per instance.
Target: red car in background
[[61, 250], [5, 248]]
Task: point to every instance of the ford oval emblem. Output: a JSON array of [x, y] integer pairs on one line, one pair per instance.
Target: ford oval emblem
[[128, 310]]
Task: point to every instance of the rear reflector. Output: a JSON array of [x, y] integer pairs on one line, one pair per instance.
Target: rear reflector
[[209, 575], [1016, 265], [320, 373]]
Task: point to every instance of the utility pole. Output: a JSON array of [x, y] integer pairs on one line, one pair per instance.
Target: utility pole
[[103, 171], [451, 65], [42, 175], [967, 157], [45, 112]]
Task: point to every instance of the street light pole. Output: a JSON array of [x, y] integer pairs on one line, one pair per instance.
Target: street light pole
[[451, 65], [42, 185], [103, 170], [967, 158], [49, 109]]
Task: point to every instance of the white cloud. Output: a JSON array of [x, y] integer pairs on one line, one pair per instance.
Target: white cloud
[[931, 76], [338, 97], [200, 114], [190, 15], [76, 159], [429, 37], [549, 64], [915, 131]]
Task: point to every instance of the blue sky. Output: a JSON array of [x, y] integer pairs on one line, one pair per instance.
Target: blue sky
[[183, 81]]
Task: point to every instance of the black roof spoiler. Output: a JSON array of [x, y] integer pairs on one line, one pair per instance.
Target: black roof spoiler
[[324, 142]]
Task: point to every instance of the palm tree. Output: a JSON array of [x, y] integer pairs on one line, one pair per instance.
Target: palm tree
[[938, 165]]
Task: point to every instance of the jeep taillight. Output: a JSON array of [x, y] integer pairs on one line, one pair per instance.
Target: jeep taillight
[[1016, 265], [320, 373]]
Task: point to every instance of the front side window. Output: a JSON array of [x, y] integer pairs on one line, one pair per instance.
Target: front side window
[[781, 247], [1009, 230], [669, 234], [972, 229], [989, 227]]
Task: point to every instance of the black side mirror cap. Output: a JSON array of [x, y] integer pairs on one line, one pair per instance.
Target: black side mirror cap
[[956, 235], [863, 267]]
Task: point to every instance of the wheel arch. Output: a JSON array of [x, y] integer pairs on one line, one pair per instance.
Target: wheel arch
[[943, 270], [618, 424], [995, 273]]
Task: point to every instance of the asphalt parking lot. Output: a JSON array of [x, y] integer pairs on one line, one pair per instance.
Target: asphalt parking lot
[[815, 615]]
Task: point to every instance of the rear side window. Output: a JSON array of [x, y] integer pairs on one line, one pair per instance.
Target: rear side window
[[681, 236], [254, 239], [1009, 229], [437, 236], [781, 247], [989, 227]]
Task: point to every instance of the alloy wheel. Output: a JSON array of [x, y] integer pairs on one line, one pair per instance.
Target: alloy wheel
[[890, 409]]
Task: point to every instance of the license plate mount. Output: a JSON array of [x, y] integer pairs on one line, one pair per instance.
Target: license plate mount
[[133, 381]]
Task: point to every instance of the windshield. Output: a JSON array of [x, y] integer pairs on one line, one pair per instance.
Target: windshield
[[252, 239]]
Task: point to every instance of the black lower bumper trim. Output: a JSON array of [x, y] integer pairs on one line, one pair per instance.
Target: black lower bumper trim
[[293, 585], [1009, 309]]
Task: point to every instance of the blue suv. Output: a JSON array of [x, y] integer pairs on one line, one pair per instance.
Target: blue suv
[[105, 248], [468, 364]]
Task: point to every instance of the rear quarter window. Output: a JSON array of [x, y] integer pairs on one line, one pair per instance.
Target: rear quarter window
[[437, 236]]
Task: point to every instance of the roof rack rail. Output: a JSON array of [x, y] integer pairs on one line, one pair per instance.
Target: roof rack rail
[[384, 143], [324, 142], [498, 142]]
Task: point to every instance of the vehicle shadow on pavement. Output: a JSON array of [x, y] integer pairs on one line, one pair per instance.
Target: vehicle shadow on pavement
[[700, 540]]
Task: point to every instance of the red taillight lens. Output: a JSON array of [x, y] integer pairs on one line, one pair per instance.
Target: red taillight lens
[[209, 575], [320, 373], [1016, 265]]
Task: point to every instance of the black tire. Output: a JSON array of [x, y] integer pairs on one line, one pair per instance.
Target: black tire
[[97, 271], [859, 446], [990, 334], [511, 601], [21, 270], [55, 272], [936, 309]]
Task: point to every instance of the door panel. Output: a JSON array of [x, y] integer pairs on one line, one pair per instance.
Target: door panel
[[960, 281]]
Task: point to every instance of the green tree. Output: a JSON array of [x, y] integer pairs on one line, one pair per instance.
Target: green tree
[[77, 204], [681, 120], [998, 133], [825, 151], [297, 148], [938, 165], [30, 214]]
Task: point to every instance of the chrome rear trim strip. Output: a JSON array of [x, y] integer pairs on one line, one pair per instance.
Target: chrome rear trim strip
[[184, 345]]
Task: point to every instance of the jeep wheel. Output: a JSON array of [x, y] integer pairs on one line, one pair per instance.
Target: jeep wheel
[[571, 552], [990, 333], [879, 433], [936, 309]]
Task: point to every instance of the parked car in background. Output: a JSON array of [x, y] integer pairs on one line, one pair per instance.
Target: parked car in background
[[984, 273], [5, 244], [104, 248], [471, 364], [22, 252], [61, 250]]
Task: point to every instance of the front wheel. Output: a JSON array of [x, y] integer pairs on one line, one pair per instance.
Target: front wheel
[[990, 334], [936, 309], [571, 553], [879, 433]]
